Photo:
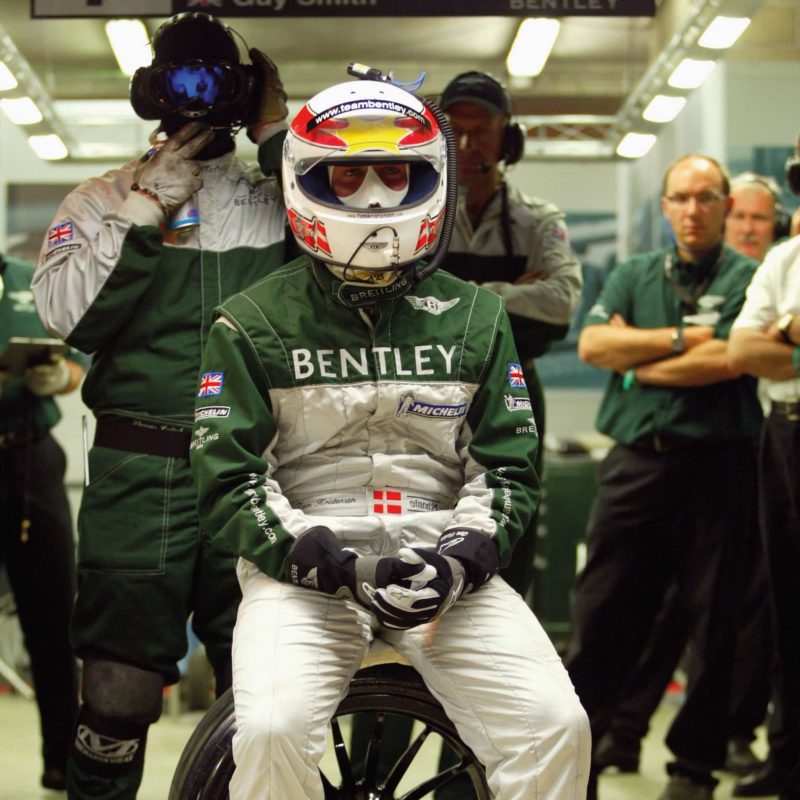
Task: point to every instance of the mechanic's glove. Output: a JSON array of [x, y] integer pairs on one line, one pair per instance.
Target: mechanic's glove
[[48, 379], [271, 104], [317, 560], [167, 173]]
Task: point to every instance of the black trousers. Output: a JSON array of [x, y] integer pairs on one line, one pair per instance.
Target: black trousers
[[752, 678], [779, 511], [664, 518], [41, 570]]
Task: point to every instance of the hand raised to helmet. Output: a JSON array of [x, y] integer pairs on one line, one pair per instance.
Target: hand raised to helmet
[[168, 174], [271, 104]]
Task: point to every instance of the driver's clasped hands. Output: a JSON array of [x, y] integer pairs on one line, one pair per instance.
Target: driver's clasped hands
[[415, 601], [168, 174], [402, 591]]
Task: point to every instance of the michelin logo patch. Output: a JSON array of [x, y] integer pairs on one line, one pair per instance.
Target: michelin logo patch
[[517, 403], [212, 412], [408, 405]]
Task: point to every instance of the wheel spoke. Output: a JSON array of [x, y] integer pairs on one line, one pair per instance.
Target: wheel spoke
[[342, 757], [399, 770], [374, 750]]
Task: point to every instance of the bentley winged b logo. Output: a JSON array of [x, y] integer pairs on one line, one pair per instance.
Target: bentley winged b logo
[[431, 304]]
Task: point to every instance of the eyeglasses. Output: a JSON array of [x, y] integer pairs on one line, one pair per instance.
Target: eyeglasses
[[704, 199]]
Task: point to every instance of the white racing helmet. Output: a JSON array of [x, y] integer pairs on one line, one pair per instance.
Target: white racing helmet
[[364, 176]]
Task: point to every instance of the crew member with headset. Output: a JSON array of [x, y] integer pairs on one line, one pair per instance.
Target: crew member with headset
[[135, 262], [37, 547], [516, 246], [757, 219]]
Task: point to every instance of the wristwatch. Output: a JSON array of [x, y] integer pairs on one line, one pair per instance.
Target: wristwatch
[[784, 323], [678, 342]]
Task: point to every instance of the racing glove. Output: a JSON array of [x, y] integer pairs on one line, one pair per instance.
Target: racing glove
[[463, 559], [317, 560], [48, 379], [167, 174], [271, 105]]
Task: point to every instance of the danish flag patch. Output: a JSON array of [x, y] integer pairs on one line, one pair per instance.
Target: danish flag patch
[[386, 502]]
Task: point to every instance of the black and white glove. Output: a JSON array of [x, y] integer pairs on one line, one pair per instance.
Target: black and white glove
[[271, 103], [317, 560], [463, 559], [167, 174]]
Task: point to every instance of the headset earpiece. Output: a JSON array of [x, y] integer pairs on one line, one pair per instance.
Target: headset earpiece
[[793, 173], [513, 146], [141, 101]]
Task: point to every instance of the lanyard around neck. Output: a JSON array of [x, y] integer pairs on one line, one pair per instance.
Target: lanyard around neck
[[688, 297]]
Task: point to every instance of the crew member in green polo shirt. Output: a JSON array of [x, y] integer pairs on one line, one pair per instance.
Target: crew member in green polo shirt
[[36, 541], [674, 490]]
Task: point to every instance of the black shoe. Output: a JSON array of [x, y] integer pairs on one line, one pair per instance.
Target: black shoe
[[681, 787], [54, 778], [764, 782], [740, 759], [614, 752]]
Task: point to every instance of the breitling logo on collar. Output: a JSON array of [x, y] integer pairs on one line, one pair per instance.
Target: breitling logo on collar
[[431, 304], [356, 295]]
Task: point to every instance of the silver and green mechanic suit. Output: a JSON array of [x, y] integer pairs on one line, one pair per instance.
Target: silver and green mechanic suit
[[140, 299]]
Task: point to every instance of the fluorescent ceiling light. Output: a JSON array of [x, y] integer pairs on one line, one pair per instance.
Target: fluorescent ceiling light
[[532, 45], [690, 73], [7, 80], [663, 108], [635, 145], [723, 32], [21, 110], [49, 147], [130, 43]]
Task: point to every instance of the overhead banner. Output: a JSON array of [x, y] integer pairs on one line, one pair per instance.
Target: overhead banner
[[345, 8]]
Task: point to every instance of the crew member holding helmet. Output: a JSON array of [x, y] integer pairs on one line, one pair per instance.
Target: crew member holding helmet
[[375, 466], [127, 277]]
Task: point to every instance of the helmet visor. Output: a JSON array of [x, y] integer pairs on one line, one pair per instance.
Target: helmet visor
[[370, 184], [382, 185]]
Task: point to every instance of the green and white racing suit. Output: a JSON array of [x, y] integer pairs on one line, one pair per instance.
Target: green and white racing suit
[[389, 415]]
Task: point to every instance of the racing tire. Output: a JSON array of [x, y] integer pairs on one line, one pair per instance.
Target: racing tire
[[206, 765]]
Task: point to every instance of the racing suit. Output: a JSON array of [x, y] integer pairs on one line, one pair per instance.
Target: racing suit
[[388, 422], [141, 299], [516, 235]]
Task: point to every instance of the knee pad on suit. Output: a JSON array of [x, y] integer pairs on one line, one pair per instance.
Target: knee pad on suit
[[123, 692]]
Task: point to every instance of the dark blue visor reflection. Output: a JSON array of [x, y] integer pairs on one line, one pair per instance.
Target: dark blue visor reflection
[[204, 82]]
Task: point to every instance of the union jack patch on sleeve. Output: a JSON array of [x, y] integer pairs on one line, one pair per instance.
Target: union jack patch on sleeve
[[516, 379], [211, 384], [58, 234]]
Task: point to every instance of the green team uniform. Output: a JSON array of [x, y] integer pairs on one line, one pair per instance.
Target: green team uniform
[[640, 292], [141, 301]]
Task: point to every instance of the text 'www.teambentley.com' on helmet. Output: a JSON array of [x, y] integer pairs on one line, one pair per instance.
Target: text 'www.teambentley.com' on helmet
[[364, 176]]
